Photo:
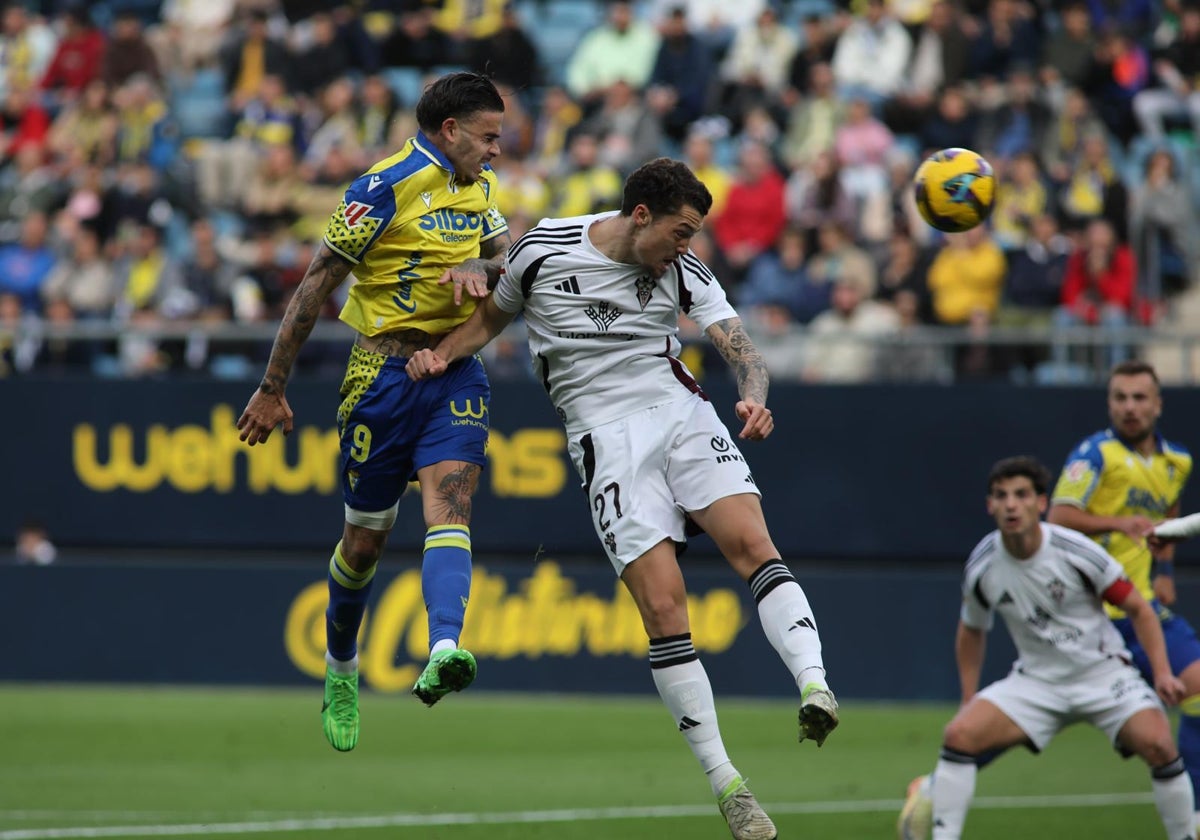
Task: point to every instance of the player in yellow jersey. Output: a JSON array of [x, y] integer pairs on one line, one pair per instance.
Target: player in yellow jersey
[[422, 235], [1115, 487]]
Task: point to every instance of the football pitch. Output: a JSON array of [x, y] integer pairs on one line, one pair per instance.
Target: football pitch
[[181, 762]]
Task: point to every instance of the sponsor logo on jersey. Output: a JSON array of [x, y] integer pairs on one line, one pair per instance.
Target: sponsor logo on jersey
[[719, 444], [355, 211], [570, 286], [603, 315], [373, 183]]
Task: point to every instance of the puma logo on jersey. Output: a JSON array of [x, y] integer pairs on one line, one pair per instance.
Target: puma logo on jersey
[[570, 286]]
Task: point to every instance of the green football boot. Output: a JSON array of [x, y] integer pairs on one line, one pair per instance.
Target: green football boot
[[746, 818], [818, 713], [339, 712], [448, 670]]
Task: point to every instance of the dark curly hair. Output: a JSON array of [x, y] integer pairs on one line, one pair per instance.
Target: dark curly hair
[[665, 186], [457, 96], [1021, 465]]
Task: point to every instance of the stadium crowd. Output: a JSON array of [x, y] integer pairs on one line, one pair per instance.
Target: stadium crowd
[[170, 165]]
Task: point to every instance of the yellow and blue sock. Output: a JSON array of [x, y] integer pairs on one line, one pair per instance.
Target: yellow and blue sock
[[446, 580], [1189, 741], [348, 592]]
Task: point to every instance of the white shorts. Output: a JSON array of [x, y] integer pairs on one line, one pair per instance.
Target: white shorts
[[1108, 696], [644, 472]]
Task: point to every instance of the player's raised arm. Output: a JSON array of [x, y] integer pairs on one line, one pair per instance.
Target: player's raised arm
[[486, 322], [268, 407], [1078, 519], [730, 338]]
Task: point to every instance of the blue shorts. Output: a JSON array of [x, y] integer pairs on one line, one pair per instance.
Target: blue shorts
[[1183, 648], [390, 426]]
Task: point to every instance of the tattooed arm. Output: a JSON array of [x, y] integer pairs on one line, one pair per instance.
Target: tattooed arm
[[268, 407], [730, 339], [479, 275]]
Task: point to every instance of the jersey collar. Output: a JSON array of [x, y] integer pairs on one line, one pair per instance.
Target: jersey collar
[[1158, 440], [427, 148]]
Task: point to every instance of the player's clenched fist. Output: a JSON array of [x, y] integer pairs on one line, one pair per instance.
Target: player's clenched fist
[[424, 364]]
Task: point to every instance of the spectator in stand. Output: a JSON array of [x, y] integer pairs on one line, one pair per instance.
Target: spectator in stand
[[778, 278], [1177, 73], [84, 279], [862, 143], [909, 360], [25, 264], [339, 127], [1136, 17], [838, 259], [843, 343], [77, 59], [622, 48], [27, 47], [249, 58], [817, 43], [1068, 52], [467, 20], [27, 184], [1063, 143], [1094, 189], [23, 123], [753, 215], [207, 277], [323, 59], [715, 22], [1099, 286], [812, 122], [905, 269], [85, 131], [699, 155], [1163, 228], [145, 130], [629, 132], [270, 201], [871, 55], [509, 56], [1021, 197], [558, 117], [755, 70], [814, 195], [682, 77], [1016, 121], [128, 53], [1122, 70], [381, 124], [1007, 39], [190, 34], [588, 185], [940, 58], [1035, 276], [967, 276], [953, 122], [416, 42]]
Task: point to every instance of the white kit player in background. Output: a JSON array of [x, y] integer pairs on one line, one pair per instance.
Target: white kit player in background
[[602, 296], [1048, 584]]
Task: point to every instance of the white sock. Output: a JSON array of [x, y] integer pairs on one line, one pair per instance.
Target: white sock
[[442, 644], [338, 666], [684, 687], [1173, 799], [953, 790], [788, 622]]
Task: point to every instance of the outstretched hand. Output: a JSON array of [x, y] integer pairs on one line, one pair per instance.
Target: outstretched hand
[[470, 275], [759, 422], [1170, 688], [263, 413], [425, 364]]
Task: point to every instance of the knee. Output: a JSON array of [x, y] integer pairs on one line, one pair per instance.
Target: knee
[[1161, 752], [361, 551], [959, 738], [664, 614], [750, 550]]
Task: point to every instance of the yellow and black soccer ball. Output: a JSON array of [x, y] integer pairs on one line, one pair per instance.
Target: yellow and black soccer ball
[[955, 189]]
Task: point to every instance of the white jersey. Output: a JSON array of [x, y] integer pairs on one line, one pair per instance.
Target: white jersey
[[1051, 602], [603, 334]]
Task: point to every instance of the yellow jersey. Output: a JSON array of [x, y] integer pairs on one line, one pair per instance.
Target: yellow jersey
[[403, 223], [1105, 477]]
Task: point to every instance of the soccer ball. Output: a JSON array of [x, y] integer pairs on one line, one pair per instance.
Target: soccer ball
[[955, 189]]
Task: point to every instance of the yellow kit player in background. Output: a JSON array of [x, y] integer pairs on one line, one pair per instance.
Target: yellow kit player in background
[[417, 230], [1115, 487]]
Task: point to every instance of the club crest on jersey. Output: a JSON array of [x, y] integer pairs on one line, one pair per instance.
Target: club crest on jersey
[[603, 315], [645, 290], [1057, 590], [427, 197]]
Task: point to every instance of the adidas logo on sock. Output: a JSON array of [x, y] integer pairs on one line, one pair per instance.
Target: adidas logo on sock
[[570, 286], [687, 723], [804, 622]]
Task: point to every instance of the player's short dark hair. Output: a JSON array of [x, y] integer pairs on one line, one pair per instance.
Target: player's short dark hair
[[1133, 367], [664, 186], [457, 96], [1017, 466]]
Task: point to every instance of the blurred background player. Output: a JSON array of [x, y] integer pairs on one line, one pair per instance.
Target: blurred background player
[[1048, 584], [424, 215], [602, 296]]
